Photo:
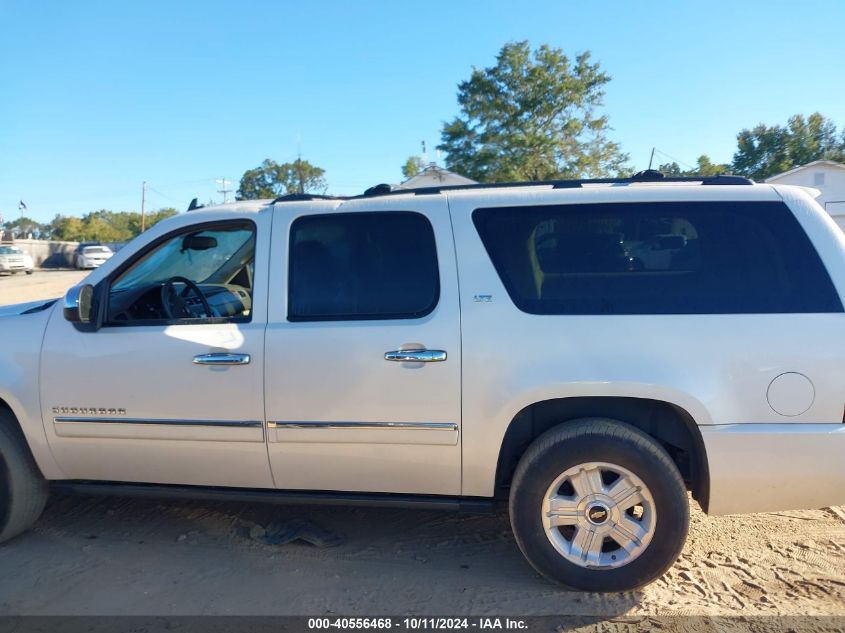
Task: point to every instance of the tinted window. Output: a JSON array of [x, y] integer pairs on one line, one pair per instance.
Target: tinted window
[[350, 266], [656, 258]]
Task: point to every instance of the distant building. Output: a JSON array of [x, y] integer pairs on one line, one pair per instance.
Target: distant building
[[825, 175], [434, 176]]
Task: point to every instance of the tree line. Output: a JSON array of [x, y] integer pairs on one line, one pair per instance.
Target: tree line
[[97, 226]]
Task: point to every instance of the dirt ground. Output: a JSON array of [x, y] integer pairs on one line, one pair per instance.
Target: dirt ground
[[91, 555], [42, 284]]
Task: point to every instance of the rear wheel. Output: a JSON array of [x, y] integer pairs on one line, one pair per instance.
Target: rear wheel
[[23, 491], [598, 505]]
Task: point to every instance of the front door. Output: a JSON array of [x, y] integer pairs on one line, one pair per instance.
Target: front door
[[169, 388], [363, 353]]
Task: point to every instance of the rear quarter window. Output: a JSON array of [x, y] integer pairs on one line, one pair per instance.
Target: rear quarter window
[[656, 258]]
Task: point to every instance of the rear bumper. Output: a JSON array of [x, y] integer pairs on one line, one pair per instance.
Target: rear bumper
[[771, 467]]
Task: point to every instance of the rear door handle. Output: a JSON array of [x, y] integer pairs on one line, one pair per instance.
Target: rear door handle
[[222, 359], [416, 356]]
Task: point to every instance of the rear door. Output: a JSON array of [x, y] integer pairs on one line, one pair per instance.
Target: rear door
[[363, 351]]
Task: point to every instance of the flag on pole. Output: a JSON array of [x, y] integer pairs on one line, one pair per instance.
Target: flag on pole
[[21, 206]]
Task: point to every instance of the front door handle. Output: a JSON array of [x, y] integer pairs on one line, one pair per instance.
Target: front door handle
[[222, 359], [416, 356]]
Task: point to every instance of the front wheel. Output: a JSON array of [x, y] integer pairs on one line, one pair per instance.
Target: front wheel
[[598, 505], [23, 491]]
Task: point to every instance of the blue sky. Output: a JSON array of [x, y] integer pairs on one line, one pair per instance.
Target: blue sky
[[96, 97]]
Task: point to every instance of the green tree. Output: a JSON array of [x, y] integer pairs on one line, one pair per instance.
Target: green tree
[[24, 227], [532, 116], [704, 167], [412, 166], [67, 228], [271, 180], [105, 225], [764, 151], [670, 169], [157, 216]]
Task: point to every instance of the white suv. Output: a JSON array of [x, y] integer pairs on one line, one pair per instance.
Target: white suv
[[591, 351]]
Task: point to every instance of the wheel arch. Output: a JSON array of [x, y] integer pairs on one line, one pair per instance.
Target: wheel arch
[[34, 438], [667, 422], [15, 424]]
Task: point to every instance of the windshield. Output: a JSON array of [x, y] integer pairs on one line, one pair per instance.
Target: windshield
[[10, 250], [93, 250], [176, 258]]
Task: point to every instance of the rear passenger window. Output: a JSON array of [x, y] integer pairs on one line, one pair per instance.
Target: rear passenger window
[[355, 266], [656, 258]]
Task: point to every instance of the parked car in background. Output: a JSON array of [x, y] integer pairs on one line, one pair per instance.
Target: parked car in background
[[13, 259], [90, 255]]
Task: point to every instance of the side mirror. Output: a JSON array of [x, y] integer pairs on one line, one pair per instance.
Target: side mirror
[[78, 304]]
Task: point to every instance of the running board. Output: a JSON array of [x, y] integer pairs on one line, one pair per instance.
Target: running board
[[466, 505]]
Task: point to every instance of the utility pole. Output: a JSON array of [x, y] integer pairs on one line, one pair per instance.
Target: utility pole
[[143, 203], [223, 182], [651, 160]]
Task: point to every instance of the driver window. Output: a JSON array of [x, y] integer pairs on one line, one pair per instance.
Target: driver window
[[193, 275]]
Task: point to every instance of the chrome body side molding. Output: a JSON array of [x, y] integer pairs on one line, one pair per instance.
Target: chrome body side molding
[[431, 433], [415, 426], [229, 423], [160, 429]]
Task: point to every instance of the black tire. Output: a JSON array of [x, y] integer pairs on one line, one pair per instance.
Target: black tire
[[29, 272], [23, 490], [598, 440]]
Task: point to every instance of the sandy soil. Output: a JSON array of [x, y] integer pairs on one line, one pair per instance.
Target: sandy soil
[[124, 556], [91, 555], [42, 284]]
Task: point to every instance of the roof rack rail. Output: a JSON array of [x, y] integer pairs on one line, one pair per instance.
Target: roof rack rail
[[303, 197], [648, 175]]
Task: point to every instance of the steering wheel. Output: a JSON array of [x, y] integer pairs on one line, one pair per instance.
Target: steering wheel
[[173, 303]]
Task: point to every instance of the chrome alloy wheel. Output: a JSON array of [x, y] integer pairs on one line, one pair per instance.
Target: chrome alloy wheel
[[599, 515]]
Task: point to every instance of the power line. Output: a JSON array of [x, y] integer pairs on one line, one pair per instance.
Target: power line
[[672, 158], [163, 195]]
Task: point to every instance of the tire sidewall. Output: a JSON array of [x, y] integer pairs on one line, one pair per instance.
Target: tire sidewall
[[5, 492], [671, 504]]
